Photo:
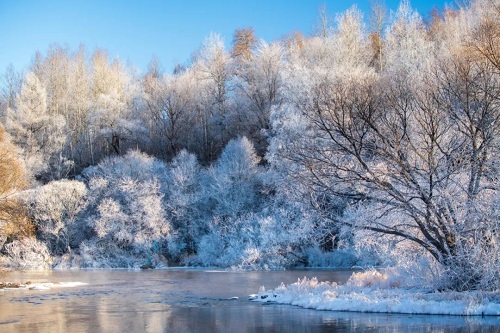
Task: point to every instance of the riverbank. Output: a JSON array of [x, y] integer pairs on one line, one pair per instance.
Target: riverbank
[[375, 292], [39, 286]]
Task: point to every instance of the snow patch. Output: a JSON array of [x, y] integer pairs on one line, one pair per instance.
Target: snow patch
[[379, 292], [48, 285]]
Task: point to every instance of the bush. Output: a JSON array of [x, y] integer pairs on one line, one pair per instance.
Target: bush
[[27, 253], [54, 209], [126, 213]]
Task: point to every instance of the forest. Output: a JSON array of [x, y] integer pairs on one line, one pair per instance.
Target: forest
[[374, 142]]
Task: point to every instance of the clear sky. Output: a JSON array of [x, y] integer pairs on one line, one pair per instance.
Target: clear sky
[[134, 31]]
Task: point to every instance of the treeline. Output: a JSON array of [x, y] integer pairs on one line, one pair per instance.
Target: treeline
[[351, 145], [77, 108]]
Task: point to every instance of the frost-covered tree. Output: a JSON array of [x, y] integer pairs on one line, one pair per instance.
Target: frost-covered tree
[[416, 156], [233, 184], [212, 72], [40, 135], [28, 253], [378, 20], [53, 72], [11, 82], [231, 190], [78, 102], [350, 42], [259, 81], [126, 212], [53, 209], [484, 39], [168, 99], [154, 91], [344, 51], [408, 48], [184, 194], [112, 117]]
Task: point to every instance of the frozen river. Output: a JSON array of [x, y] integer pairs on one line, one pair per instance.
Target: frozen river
[[184, 300]]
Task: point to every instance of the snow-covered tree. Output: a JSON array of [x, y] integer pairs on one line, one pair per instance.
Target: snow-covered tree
[[11, 82], [259, 81], [416, 152], [126, 212], [112, 117], [53, 209], [212, 72], [40, 135], [168, 99], [53, 72], [408, 50], [78, 103], [350, 42], [28, 253], [184, 194], [233, 183]]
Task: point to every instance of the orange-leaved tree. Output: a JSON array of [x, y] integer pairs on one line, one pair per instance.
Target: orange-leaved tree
[[14, 223]]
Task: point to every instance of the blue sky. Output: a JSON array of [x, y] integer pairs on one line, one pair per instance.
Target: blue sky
[[134, 31]]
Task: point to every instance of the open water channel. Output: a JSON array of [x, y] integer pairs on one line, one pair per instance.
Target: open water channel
[[187, 300]]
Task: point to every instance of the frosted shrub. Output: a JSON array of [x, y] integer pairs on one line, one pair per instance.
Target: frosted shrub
[[233, 184], [177, 247], [184, 194], [230, 193], [134, 165], [392, 277], [477, 264], [283, 232], [252, 241], [210, 249], [406, 260], [127, 212], [101, 254], [228, 243], [131, 218], [335, 259], [54, 209], [382, 279], [27, 253]]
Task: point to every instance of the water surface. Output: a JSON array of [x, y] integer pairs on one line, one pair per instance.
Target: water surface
[[185, 300]]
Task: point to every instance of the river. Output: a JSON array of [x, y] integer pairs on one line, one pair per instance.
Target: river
[[192, 300]]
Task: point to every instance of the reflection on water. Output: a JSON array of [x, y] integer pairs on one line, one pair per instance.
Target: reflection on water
[[192, 301]]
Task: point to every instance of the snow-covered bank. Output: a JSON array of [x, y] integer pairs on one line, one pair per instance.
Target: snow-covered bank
[[375, 292], [40, 285]]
